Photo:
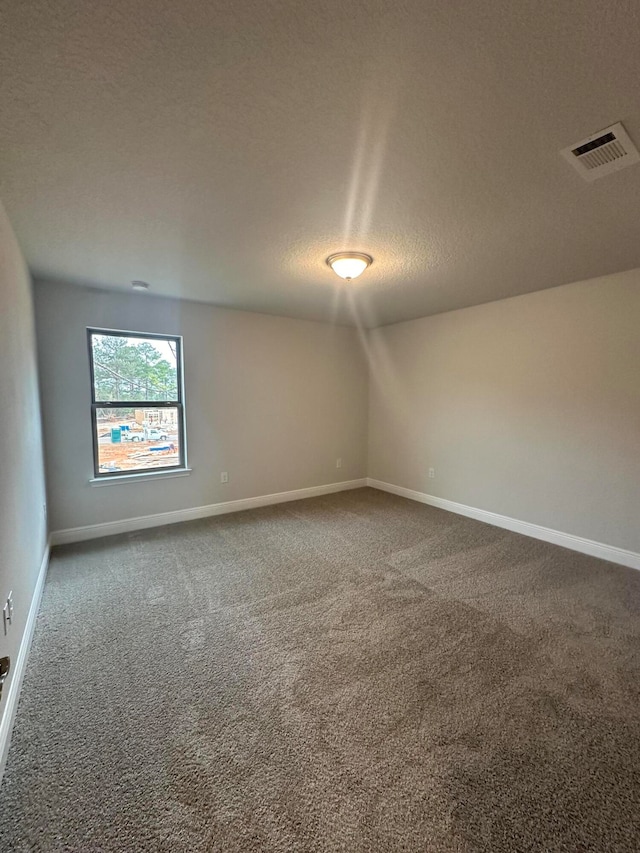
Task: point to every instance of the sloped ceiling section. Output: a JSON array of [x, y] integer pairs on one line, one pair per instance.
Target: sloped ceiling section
[[221, 151]]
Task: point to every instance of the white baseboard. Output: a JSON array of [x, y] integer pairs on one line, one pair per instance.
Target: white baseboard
[[547, 534], [127, 525], [19, 666]]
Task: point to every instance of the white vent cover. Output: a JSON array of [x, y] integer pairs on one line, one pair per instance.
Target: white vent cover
[[603, 153]]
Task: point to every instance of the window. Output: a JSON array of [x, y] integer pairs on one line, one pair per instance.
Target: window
[[137, 405]]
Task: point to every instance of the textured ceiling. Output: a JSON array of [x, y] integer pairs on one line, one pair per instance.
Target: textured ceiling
[[221, 150]]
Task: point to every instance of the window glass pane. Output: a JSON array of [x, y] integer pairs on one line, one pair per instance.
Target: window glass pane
[[137, 439], [134, 368]]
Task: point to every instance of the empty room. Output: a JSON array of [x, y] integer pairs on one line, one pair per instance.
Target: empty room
[[320, 417]]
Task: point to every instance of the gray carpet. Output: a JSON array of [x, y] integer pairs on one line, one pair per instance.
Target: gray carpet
[[350, 673]]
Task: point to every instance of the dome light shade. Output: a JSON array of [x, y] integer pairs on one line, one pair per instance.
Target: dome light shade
[[349, 265]]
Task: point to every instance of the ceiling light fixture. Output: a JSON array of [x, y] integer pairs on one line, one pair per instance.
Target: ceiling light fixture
[[139, 285], [349, 265]]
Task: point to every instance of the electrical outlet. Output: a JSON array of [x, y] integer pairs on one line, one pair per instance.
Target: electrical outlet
[[432, 473], [224, 477], [339, 462], [7, 615]]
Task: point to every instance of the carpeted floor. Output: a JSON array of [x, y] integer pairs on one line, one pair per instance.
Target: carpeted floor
[[350, 673]]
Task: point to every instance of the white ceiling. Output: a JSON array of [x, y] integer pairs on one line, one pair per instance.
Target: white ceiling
[[221, 150]]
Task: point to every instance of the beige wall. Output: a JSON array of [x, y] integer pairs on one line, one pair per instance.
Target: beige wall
[[272, 401], [528, 407], [22, 489]]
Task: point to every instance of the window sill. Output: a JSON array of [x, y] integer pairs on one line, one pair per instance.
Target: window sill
[[139, 478]]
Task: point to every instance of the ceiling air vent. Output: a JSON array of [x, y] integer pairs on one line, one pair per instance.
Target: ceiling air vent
[[603, 153]]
